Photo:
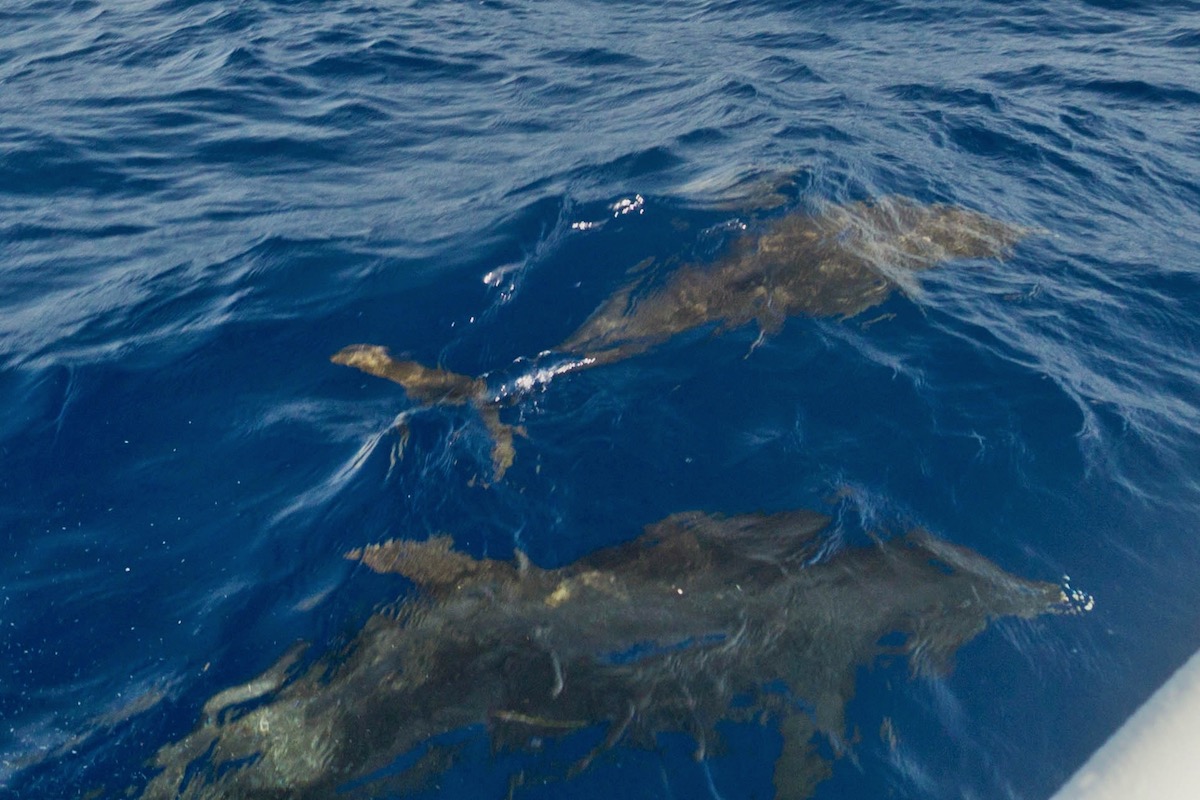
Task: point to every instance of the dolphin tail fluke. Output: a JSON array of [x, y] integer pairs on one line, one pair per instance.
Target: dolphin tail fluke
[[434, 386], [503, 451], [433, 564], [429, 385]]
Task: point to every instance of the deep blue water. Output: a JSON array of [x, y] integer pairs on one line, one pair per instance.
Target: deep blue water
[[200, 202]]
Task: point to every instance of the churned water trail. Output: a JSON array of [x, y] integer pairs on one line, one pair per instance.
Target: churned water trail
[[751, 399]]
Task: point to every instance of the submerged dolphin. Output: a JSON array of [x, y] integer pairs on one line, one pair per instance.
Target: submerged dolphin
[[838, 262], [703, 618]]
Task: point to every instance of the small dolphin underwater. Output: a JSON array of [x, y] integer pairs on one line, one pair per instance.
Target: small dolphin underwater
[[834, 263], [700, 620]]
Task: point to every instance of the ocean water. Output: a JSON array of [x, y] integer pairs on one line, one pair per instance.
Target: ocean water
[[202, 202]]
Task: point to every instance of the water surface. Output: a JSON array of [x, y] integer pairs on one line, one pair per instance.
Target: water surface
[[201, 202]]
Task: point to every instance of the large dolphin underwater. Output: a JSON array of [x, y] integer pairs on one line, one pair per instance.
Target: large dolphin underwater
[[702, 619], [838, 262]]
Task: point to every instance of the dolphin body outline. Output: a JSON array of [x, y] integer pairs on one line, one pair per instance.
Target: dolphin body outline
[[702, 619], [837, 262]]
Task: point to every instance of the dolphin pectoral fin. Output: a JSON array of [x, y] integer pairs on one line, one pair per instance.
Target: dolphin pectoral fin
[[423, 384]]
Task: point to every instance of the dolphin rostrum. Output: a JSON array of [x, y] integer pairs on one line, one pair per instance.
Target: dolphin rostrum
[[701, 619], [838, 262]]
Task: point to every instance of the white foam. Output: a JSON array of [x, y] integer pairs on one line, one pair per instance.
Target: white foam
[[540, 377]]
